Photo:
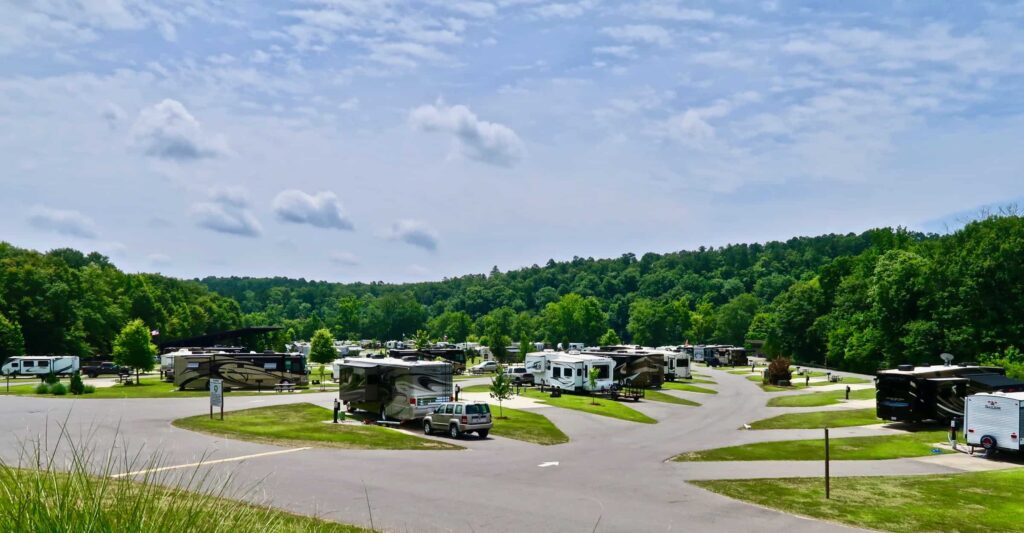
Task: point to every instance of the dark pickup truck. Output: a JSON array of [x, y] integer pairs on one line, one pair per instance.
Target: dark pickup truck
[[98, 369]]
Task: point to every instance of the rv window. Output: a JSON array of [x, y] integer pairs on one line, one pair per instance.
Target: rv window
[[556, 372], [44, 363], [373, 379], [269, 366], [458, 409], [602, 371], [28, 364], [684, 362], [193, 365], [477, 409]]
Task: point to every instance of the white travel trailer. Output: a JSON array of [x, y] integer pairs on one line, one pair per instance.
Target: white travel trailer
[[571, 372], [167, 362], [40, 365], [993, 421], [536, 363], [677, 363]]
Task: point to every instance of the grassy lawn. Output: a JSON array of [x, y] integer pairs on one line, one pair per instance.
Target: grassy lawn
[[694, 380], [656, 396], [303, 425], [849, 448], [740, 372], [151, 387], [819, 399], [818, 420], [603, 407], [978, 502], [801, 383], [526, 426], [675, 385]]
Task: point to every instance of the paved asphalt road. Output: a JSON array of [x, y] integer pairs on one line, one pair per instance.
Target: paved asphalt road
[[612, 476]]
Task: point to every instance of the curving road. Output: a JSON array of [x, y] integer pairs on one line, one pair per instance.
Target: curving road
[[612, 476]]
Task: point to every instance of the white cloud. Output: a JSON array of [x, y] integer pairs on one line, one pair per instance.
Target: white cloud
[[621, 51], [415, 233], [157, 259], [227, 212], [168, 131], [668, 10], [344, 259], [567, 10], [112, 114], [488, 142], [322, 209], [639, 33], [65, 222]]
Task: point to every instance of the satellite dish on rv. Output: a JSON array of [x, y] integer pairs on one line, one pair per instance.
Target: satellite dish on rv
[[947, 357]]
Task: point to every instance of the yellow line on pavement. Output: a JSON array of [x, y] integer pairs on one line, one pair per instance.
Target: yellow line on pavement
[[207, 463]]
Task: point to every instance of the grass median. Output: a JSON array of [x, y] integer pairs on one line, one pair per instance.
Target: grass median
[[597, 406], [842, 449], [979, 502], [819, 419], [304, 424], [526, 426], [151, 387], [819, 399], [686, 387], [656, 396]]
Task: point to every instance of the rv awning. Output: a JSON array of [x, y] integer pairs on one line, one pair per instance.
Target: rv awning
[[995, 381]]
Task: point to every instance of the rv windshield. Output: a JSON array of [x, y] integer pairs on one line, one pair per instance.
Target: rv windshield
[[603, 371], [478, 409]]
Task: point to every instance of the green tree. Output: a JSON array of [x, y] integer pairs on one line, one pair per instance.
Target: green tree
[[525, 347], [610, 338], [421, 340], [452, 326], [796, 312], [704, 322], [321, 347], [133, 348], [76, 387], [732, 319], [592, 379], [501, 388], [574, 318], [12, 344]]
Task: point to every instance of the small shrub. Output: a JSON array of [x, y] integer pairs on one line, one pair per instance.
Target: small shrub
[[58, 389], [50, 379], [77, 387], [88, 389], [42, 388]]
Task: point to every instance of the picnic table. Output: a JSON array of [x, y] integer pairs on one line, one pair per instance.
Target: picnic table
[[284, 386]]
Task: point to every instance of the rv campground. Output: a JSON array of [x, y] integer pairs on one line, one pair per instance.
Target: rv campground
[[728, 455]]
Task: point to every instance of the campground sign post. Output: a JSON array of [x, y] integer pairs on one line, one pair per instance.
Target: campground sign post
[[217, 396]]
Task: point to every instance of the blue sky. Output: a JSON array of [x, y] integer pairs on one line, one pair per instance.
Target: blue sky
[[397, 140]]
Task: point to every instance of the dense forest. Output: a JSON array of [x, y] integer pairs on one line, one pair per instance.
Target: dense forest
[[862, 301]]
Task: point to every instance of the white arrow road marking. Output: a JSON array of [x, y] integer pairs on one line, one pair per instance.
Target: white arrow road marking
[[206, 463], [547, 464]]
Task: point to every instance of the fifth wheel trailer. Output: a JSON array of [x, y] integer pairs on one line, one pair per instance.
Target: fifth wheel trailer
[[993, 420], [916, 394]]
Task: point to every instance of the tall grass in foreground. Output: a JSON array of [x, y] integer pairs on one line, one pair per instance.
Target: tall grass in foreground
[[79, 490]]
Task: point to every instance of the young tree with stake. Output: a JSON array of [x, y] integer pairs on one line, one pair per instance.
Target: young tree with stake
[[133, 348], [592, 378], [321, 350], [501, 388]]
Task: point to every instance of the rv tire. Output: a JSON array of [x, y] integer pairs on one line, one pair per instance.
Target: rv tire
[[427, 430], [453, 432]]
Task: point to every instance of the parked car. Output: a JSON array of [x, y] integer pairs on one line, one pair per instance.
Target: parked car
[[519, 375], [458, 418], [484, 367], [106, 367]]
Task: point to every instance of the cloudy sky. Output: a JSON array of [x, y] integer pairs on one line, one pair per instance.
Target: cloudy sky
[[405, 140]]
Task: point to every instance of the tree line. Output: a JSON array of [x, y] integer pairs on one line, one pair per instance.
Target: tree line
[[854, 301]]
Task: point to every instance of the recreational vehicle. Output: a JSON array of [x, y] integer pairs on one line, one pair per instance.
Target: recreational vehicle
[[40, 365], [239, 370], [915, 394], [677, 363], [994, 420], [571, 372], [536, 363], [635, 367], [397, 389]]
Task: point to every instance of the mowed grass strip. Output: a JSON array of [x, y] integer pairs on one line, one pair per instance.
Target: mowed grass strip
[[848, 449], [675, 385], [819, 399], [819, 419], [603, 407], [526, 426], [152, 387], [978, 502], [303, 424], [697, 380], [656, 396]]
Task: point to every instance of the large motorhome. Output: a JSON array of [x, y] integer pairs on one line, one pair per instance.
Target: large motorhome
[[397, 389], [250, 370], [167, 358], [570, 371], [915, 394], [634, 366], [40, 365]]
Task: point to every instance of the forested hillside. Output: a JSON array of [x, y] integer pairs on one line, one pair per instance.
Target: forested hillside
[[863, 301], [66, 302]]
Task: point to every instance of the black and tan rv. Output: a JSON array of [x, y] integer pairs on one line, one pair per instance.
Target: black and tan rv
[[239, 370], [391, 388]]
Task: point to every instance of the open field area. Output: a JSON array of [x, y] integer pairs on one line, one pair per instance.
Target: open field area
[[596, 406], [526, 426], [848, 448], [149, 387], [820, 419], [305, 425], [980, 502], [819, 399]]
